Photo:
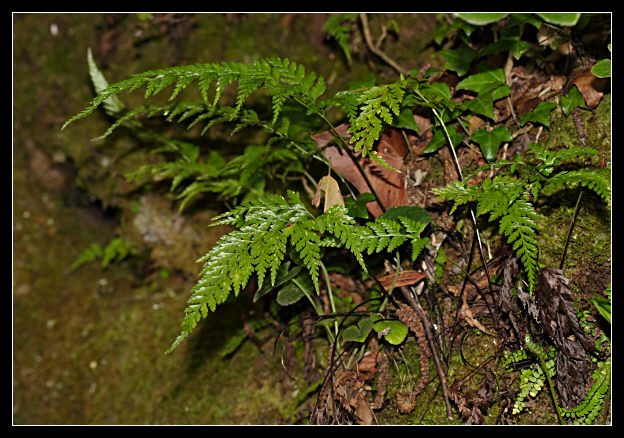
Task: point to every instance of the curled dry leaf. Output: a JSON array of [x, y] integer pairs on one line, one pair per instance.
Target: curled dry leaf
[[333, 196], [591, 87], [388, 184], [405, 402]]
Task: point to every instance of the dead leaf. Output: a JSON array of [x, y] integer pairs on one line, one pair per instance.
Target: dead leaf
[[405, 278], [558, 318], [333, 196], [467, 314], [388, 184], [364, 412], [404, 402], [591, 87]]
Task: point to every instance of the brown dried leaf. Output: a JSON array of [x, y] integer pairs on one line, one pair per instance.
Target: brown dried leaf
[[558, 318], [557, 315], [405, 278], [364, 412], [388, 184], [591, 87]]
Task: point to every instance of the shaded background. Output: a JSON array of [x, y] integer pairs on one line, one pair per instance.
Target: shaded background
[[88, 346]]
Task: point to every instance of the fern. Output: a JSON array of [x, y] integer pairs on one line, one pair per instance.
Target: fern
[[368, 110], [281, 77], [340, 32], [510, 200], [265, 227], [587, 411], [506, 199], [532, 379]]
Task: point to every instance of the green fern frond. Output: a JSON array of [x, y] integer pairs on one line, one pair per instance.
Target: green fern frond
[[265, 228], [505, 198], [369, 110], [598, 180], [340, 32], [281, 77], [587, 411]]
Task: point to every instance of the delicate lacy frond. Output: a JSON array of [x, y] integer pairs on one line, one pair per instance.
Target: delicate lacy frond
[[368, 111], [282, 78], [265, 228], [340, 32], [510, 200], [598, 180], [505, 198]]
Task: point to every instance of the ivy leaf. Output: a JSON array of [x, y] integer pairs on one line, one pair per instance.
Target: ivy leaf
[[360, 332], [358, 208], [573, 100], [602, 69], [481, 18], [393, 331], [541, 114], [484, 81], [561, 19], [458, 60], [483, 104], [511, 44], [405, 120], [490, 141]]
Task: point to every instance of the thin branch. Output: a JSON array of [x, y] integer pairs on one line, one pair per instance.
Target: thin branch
[[375, 49], [567, 242], [412, 299]]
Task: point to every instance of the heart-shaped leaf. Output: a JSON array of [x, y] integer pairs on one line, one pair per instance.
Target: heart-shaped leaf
[[541, 114], [491, 141], [393, 331], [358, 333], [484, 81], [573, 100], [458, 60]]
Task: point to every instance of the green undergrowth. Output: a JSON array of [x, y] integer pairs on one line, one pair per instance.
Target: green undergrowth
[[141, 312]]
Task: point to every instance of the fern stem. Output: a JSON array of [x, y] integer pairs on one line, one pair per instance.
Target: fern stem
[[539, 354], [473, 217], [330, 294], [567, 242]]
